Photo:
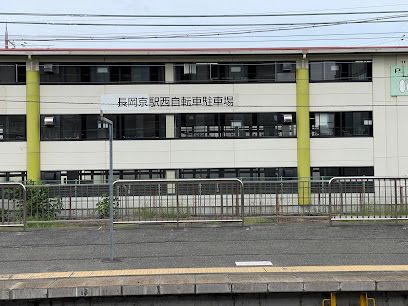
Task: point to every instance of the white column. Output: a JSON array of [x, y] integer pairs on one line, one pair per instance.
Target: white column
[[169, 73], [170, 127]]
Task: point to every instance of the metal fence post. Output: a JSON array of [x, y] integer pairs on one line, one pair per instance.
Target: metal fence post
[[330, 201], [396, 200], [242, 202], [14, 213], [177, 203], [24, 207]]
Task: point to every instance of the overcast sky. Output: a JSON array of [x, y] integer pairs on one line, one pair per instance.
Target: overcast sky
[[379, 34]]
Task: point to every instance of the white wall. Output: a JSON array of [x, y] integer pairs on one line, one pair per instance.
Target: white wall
[[12, 100], [76, 99], [341, 152], [169, 154], [390, 116], [341, 96], [13, 156]]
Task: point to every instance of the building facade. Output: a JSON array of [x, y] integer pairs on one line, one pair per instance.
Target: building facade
[[209, 113]]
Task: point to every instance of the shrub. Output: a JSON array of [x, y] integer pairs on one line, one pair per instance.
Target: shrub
[[102, 207], [39, 205]]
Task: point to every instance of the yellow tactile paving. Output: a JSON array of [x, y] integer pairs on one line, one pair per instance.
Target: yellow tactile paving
[[210, 270]]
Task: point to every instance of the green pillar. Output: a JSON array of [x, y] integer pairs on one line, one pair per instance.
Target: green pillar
[[33, 121], [303, 135]]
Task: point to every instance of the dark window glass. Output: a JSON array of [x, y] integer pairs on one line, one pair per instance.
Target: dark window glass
[[243, 125], [70, 127], [143, 126], [235, 72], [101, 73], [340, 71], [192, 72], [357, 124], [12, 127], [21, 73], [12, 73], [51, 177], [285, 72], [262, 173], [328, 172], [341, 124], [88, 127]]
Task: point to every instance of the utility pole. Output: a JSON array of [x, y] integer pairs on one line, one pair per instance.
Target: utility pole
[[110, 127], [6, 39]]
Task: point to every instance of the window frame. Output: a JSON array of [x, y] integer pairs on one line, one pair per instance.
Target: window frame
[[348, 79], [339, 125], [220, 130], [212, 67], [91, 73]]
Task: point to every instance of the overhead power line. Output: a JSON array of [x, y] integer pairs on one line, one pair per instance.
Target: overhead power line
[[76, 15], [237, 39], [379, 19]]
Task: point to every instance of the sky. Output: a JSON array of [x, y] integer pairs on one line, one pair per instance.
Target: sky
[[196, 32]]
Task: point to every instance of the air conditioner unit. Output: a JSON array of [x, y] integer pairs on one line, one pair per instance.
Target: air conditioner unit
[[49, 121], [287, 118]]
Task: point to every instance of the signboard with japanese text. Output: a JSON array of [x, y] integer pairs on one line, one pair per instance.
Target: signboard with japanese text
[[140, 103], [399, 80]]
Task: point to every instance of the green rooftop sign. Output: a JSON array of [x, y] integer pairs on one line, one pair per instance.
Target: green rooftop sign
[[399, 81]]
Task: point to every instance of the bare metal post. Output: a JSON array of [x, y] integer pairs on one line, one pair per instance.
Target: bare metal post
[[242, 202], [330, 203], [110, 180], [396, 200], [177, 203]]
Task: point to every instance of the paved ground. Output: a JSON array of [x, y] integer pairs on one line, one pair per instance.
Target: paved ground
[[289, 244]]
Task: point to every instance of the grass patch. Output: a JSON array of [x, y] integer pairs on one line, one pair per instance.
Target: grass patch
[[257, 220]]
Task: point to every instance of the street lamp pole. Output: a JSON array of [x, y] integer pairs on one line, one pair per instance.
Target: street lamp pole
[[110, 181]]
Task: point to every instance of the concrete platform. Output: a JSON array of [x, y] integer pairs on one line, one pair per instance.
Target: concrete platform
[[234, 280]]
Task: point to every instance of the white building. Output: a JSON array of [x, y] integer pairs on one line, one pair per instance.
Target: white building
[[203, 112]]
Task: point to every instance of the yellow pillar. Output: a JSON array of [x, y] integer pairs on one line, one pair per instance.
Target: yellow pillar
[[303, 135], [33, 121]]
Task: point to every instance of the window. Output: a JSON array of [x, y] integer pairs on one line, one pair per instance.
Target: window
[[341, 124], [340, 71], [12, 73], [328, 172], [51, 176], [244, 125], [65, 127], [13, 176], [142, 126], [235, 72], [198, 126], [12, 128], [101, 73], [246, 173], [86, 127]]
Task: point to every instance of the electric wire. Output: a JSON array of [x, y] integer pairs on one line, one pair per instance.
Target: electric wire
[[280, 14]]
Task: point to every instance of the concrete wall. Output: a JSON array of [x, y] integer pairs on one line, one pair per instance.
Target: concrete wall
[[169, 154], [390, 121], [12, 100], [251, 97]]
